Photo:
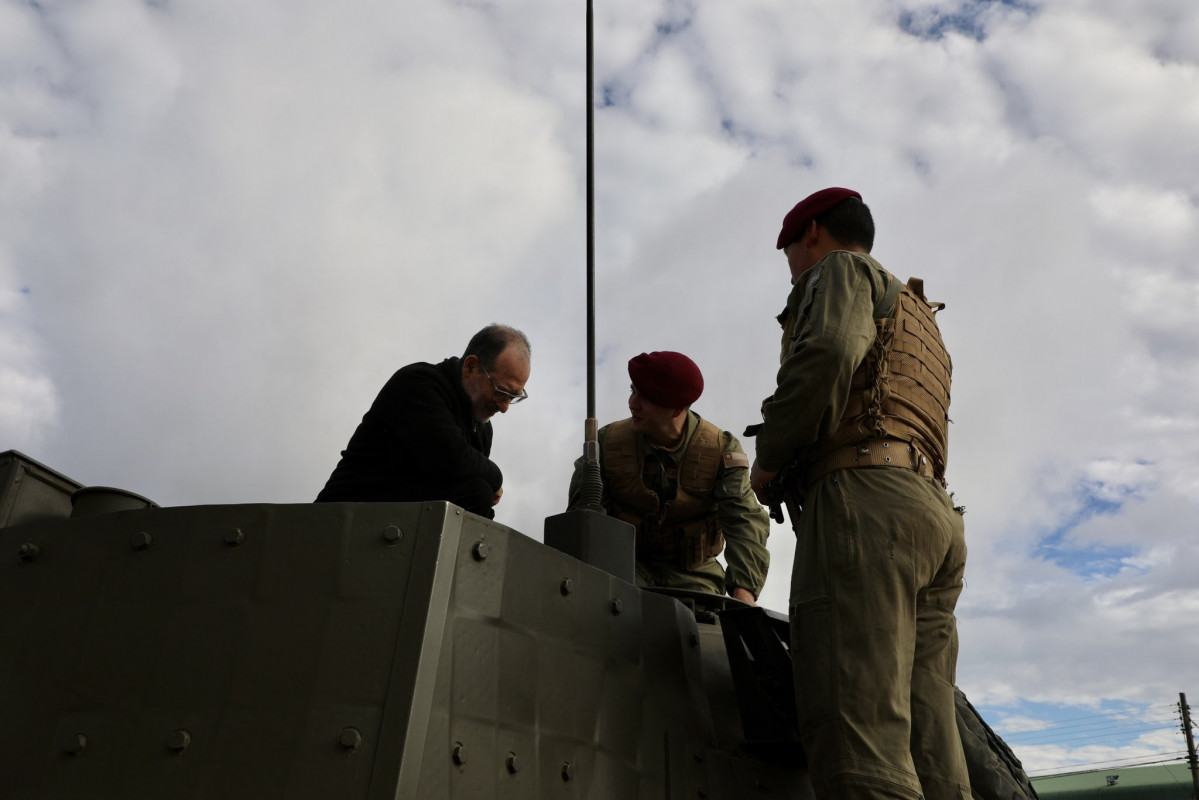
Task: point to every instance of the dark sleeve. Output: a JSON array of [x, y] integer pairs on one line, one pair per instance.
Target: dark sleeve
[[574, 498], [424, 416], [574, 494]]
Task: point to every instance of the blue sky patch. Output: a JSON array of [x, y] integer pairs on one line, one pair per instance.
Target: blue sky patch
[[969, 20], [666, 28], [1093, 499], [613, 93]]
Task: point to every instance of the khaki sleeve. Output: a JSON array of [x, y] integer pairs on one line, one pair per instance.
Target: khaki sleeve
[[833, 309], [745, 524]]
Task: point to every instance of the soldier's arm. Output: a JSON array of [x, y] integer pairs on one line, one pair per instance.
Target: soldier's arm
[[573, 499], [745, 523], [834, 307], [574, 496]]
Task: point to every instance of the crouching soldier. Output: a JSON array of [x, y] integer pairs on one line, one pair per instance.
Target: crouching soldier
[[683, 483]]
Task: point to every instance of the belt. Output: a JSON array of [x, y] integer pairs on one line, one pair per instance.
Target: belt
[[871, 453]]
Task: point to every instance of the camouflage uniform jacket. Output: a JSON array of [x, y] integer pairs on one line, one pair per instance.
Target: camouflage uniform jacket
[[743, 522]]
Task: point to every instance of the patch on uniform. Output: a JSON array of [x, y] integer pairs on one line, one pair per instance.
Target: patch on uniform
[[815, 276], [733, 459], [809, 289]]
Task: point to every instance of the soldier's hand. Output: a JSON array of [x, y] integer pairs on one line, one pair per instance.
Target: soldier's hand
[[744, 595], [758, 478], [495, 501]]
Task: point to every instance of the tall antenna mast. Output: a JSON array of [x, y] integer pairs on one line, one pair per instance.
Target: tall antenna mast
[[590, 214], [586, 532], [592, 486]]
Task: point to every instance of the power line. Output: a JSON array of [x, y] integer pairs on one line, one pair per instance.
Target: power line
[[1096, 735], [1106, 717], [1110, 729], [1115, 723], [1147, 719], [1100, 766]]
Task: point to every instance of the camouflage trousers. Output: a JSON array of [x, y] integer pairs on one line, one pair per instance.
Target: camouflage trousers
[[707, 577], [878, 570]]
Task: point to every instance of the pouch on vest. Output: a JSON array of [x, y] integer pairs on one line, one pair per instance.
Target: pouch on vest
[[700, 540]]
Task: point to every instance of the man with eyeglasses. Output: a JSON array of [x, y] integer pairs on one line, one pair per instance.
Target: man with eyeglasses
[[428, 434], [683, 483]]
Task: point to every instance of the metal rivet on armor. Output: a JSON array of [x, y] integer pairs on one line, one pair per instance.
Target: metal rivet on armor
[[29, 552], [392, 534], [693, 639], [350, 738], [459, 753], [234, 537], [568, 771], [512, 764], [480, 551], [179, 740], [567, 586], [75, 744], [141, 540], [617, 605], [886, 444], [887, 459]]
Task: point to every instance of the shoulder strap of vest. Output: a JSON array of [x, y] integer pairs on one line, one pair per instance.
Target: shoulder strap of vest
[[697, 473], [886, 305], [618, 455], [916, 287]]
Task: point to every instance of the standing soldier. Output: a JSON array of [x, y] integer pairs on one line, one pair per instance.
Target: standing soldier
[[683, 483], [859, 418]]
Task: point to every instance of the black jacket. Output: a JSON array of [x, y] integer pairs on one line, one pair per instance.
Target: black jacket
[[419, 441]]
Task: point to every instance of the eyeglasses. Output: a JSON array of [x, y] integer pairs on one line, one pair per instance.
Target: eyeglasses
[[503, 394]]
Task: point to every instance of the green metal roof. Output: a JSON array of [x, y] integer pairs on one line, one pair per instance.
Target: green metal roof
[[1165, 782]]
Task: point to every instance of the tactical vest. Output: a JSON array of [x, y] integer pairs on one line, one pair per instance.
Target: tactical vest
[[898, 408], [684, 531]]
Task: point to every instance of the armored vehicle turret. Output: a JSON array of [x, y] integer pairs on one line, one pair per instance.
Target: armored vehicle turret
[[365, 650]]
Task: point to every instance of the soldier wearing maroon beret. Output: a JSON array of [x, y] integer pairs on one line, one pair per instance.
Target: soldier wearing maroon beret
[[856, 434], [683, 483]]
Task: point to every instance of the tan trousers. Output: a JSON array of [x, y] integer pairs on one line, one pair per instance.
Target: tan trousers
[[878, 569]]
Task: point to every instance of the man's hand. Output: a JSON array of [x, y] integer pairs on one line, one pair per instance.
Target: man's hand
[[744, 595], [758, 478], [495, 501]]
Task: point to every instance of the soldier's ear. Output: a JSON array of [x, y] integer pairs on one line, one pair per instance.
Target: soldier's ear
[[470, 364], [811, 233]]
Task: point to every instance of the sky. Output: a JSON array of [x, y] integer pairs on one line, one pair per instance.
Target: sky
[[224, 224]]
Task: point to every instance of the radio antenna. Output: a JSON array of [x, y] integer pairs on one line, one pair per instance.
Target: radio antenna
[[592, 485]]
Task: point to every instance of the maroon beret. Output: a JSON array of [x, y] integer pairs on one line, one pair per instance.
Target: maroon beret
[[667, 378], [809, 208]]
